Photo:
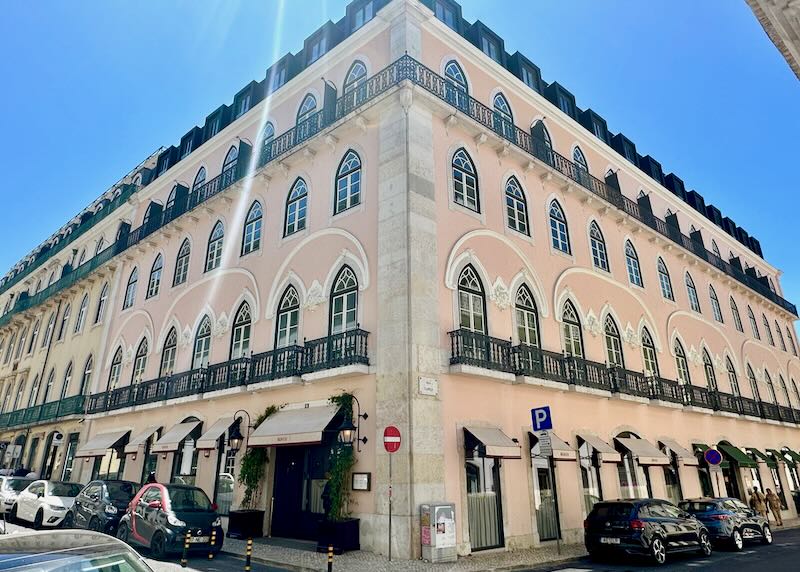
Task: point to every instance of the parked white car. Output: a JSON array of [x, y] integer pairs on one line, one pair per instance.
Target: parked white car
[[45, 503], [10, 487]]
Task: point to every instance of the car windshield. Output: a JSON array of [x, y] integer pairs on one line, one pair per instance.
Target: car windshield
[[612, 510], [121, 490], [72, 552], [697, 506], [17, 484], [188, 499], [64, 489]]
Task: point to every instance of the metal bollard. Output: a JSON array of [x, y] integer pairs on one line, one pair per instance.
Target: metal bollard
[[184, 559], [248, 554], [213, 542], [330, 558]]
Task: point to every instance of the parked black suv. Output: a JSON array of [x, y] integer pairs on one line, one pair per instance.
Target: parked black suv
[[100, 505], [649, 527], [729, 520]]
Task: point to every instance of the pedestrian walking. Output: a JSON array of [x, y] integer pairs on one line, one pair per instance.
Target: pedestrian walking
[[774, 503], [758, 502]]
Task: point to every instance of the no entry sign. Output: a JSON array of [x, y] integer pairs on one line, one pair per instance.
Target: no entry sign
[[391, 439]]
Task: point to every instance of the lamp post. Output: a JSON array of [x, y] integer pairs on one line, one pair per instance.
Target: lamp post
[[349, 433], [235, 437]]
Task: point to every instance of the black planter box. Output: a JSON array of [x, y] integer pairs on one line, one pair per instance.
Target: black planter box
[[246, 524], [342, 535]]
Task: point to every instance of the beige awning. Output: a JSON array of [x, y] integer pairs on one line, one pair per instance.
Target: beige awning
[[644, 451], [684, 454], [140, 440], [210, 438], [298, 426], [562, 451], [171, 440], [497, 444], [98, 445], [607, 453]]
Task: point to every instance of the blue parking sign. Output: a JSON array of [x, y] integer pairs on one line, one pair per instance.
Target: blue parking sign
[[540, 418]]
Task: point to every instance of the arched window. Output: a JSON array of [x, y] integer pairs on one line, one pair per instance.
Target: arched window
[[471, 301], [456, 88], [791, 340], [356, 76], [527, 317], [559, 235], [170, 199], [344, 302], [82, 257], [296, 205], [267, 136], [715, 248], [34, 394], [154, 283], [67, 381], [455, 74], [101, 304], [62, 329], [182, 263], [101, 244], [664, 280], [516, 207], [139, 362], [231, 159], [251, 237], [598, 246], [48, 387], [10, 348], [768, 329], [780, 335], [694, 301], [715, 309], [202, 344], [307, 108], [708, 367], [681, 364], [35, 334], [81, 317], [613, 343], [768, 380], [168, 354], [632, 263], [115, 371], [130, 289], [465, 181], [732, 379], [288, 323], [214, 253], [753, 324], [737, 319], [503, 118], [573, 338], [348, 182], [649, 354], [580, 160], [784, 390], [240, 338], [753, 384], [21, 344], [199, 179], [795, 390], [48, 333], [86, 378]]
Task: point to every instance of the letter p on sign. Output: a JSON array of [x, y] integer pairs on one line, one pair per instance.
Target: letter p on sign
[[540, 418]]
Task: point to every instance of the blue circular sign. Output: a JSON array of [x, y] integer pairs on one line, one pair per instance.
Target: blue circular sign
[[712, 457]]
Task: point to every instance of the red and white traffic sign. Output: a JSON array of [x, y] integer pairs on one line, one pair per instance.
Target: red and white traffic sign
[[391, 439]]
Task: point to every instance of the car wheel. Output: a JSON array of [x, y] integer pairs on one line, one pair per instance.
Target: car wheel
[[737, 541], [705, 544], [123, 533], [38, 519], [766, 535], [69, 521], [158, 546], [658, 551], [94, 524]]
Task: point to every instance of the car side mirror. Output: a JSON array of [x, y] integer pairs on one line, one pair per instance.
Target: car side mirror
[[154, 504]]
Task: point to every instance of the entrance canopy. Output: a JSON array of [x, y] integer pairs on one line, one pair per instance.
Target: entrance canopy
[[792, 454], [301, 426], [210, 438], [171, 440], [140, 440], [645, 452], [685, 455], [99, 444], [497, 444], [606, 452], [737, 455], [763, 456]]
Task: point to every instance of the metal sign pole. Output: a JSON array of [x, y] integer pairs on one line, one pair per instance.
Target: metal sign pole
[[390, 507]]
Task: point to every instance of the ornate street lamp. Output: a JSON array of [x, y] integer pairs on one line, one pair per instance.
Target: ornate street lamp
[[349, 433], [235, 437]]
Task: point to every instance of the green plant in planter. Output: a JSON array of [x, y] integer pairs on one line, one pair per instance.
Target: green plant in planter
[[254, 465], [342, 461]]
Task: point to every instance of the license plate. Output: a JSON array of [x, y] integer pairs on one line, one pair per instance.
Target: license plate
[[606, 540], [199, 539]]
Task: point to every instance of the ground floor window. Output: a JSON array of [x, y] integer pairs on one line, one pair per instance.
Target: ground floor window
[[32, 454], [49, 459], [484, 504], [792, 476], [110, 466], [672, 479], [589, 461], [184, 466], [544, 494], [69, 457], [705, 482], [778, 487], [223, 492]]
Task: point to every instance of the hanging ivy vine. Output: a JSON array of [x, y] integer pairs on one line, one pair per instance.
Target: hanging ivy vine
[[341, 462], [254, 465]]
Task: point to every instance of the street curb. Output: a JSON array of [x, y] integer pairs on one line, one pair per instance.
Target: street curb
[[273, 563]]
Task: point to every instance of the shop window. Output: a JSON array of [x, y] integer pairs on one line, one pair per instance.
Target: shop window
[[589, 461], [484, 500]]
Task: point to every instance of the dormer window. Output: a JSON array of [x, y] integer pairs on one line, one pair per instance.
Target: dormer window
[[214, 127], [597, 129], [187, 148], [564, 104], [164, 166], [490, 48], [244, 105], [446, 14], [318, 49], [278, 78], [362, 15], [528, 77]]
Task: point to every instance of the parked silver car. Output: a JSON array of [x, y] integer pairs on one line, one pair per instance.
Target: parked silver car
[[10, 487]]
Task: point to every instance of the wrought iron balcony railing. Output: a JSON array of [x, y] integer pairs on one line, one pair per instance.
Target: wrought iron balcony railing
[[336, 350], [46, 412]]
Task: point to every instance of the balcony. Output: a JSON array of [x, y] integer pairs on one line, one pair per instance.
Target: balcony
[[330, 352], [482, 351], [47, 412]]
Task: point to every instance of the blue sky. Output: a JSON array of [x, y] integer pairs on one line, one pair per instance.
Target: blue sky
[[90, 88]]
